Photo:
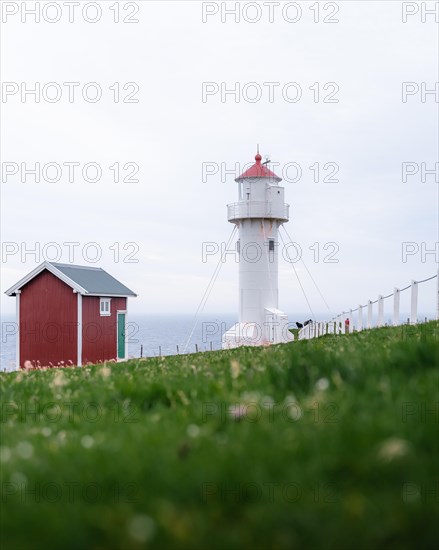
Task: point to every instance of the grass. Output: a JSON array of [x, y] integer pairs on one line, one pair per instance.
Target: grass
[[330, 443]]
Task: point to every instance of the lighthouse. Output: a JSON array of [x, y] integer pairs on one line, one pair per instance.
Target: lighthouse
[[258, 214]]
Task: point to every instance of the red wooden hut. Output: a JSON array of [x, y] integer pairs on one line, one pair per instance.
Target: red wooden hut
[[70, 313]]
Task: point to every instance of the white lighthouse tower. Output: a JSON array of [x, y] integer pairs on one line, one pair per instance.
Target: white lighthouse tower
[[259, 213]]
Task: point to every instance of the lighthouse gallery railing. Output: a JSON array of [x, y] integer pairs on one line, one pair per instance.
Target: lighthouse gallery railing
[[257, 209]]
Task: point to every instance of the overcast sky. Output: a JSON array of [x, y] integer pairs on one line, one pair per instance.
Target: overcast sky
[[170, 132]]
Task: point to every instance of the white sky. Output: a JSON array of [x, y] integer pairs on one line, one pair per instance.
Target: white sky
[[170, 133]]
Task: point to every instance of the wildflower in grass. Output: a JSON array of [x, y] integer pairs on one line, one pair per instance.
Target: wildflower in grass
[[267, 402], [59, 380], [46, 431], [193, 430], [62, 436], [251, 397], [384, 385], [25, 450], [393, 448], [290, 399], [87, 441], [322, 384], [105, 372], [235, 369], [19, 478], [141, 528], [183, 397], [5, 454], [293, 410], [237, 412]]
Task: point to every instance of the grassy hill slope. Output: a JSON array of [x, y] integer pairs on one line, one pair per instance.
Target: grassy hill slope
[[331, 443]]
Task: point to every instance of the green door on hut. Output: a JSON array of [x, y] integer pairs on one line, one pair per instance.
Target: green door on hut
[[121, 335]]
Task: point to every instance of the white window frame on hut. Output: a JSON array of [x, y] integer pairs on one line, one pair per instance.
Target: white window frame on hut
[[105, 307]]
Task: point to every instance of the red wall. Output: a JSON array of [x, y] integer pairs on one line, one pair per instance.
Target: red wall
[[48, 321], [99, 334]]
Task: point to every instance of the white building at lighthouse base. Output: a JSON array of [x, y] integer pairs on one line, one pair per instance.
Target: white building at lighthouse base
[[275, 330]]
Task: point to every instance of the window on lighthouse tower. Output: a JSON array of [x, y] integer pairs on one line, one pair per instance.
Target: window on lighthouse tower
[[271, 250]]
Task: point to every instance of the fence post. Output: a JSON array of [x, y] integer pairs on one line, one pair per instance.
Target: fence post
[[351, 322], [414, 304], [369, 314], [380, 311], [337, 325], [437, 296], [360, 318], [396, 307]]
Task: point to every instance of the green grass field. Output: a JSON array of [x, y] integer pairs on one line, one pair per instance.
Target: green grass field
[[331, 443]]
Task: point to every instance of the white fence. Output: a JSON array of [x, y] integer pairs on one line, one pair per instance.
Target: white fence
[[345, 322]]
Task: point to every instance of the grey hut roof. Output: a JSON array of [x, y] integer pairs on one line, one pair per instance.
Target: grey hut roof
[[92, 281]]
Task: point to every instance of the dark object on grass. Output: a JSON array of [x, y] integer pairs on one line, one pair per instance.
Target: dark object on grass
[[183, 451]]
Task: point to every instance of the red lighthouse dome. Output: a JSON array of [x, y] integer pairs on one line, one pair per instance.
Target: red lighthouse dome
[[259, 170]]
